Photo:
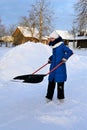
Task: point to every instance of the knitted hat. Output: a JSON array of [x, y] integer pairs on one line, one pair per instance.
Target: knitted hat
[[54, 34]]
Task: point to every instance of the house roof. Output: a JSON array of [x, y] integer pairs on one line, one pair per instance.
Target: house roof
[[7, 38], [65, 34], [45, 37], [26, 32], [81, 38]]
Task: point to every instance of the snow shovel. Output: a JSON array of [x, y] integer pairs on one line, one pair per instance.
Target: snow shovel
[[36, 78], [24, 77]]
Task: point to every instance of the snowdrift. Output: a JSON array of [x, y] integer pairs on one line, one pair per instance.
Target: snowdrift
[[24, 59]]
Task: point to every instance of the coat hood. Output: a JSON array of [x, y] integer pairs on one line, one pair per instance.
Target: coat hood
[[56, 41]]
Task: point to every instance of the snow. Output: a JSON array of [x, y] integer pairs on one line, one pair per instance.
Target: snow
[[81, 38], [23, 105]]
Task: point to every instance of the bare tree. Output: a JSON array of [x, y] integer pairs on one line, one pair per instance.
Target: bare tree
[[81, 14], [11, 29], [28, 22], [2, 29], [24, 21], [40, 16]]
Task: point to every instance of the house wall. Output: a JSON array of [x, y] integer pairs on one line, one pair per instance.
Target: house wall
[[82, 43], [18, 37], [44, 41]]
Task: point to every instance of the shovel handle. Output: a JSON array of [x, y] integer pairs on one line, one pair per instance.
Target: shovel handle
[[55, 67], [40, 68]]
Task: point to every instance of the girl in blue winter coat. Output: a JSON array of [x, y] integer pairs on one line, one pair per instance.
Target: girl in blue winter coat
[[60, 53]]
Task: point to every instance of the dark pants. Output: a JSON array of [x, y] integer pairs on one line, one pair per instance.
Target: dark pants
[[51, 88]]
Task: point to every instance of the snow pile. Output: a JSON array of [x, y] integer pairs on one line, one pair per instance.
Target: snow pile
[[24, 59]]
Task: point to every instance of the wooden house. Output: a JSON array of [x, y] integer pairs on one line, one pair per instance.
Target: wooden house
[[81, 41], [23, 34], [44, 40]]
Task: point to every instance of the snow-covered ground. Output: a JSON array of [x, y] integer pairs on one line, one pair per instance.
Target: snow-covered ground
[[23, 105]]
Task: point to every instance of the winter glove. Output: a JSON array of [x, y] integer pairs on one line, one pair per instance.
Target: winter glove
[[64, 60], [50, 60]]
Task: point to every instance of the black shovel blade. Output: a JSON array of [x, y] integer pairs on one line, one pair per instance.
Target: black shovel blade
[[36, 78], [21, 77], [31, 78]]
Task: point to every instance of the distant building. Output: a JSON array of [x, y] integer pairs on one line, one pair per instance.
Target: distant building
[[7, 40], [23, 34], [81, 41], [44, 40]]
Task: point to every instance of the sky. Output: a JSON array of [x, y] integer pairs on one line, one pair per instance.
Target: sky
[[23, 105], [12, 10]]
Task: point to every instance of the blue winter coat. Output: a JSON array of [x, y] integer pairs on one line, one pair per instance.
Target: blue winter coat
[[60, 74]]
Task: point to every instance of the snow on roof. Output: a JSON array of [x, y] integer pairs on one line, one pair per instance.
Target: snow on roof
[[45, 37], [81, 38], [26, 32], [7, 38], [65, 34]]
